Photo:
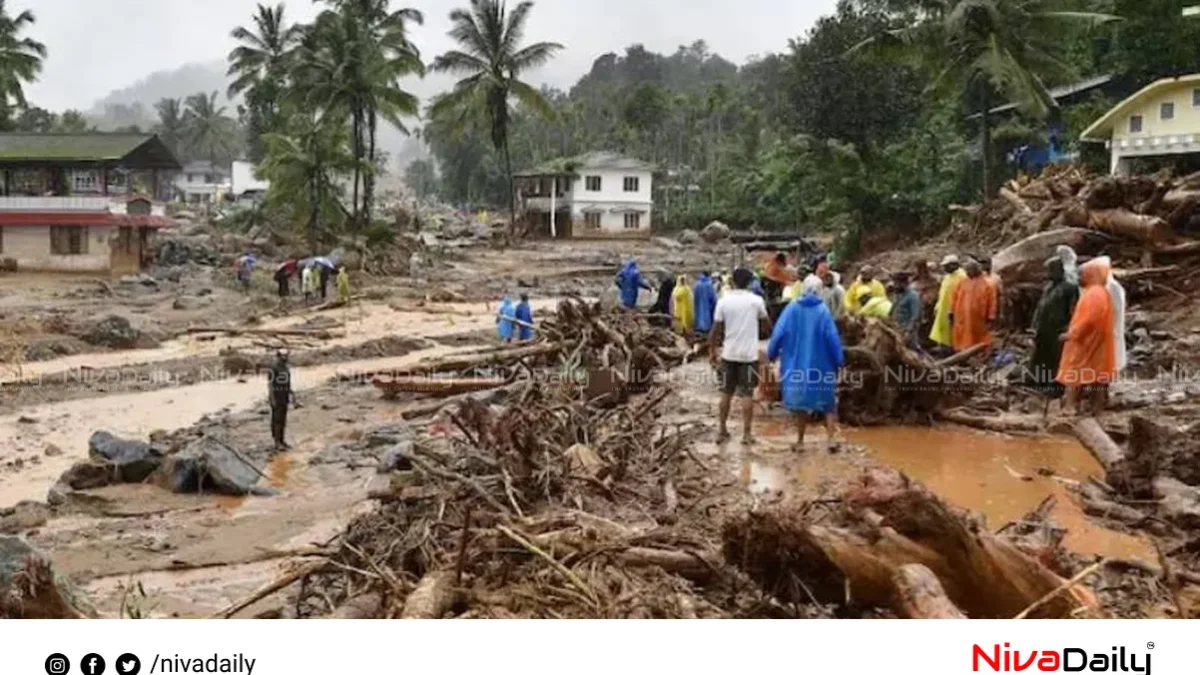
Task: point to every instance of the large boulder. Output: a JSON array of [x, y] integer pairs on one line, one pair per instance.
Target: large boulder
[[208, 465], [714, 232], [29, 588], [86, 475], [114, 332], [130, 461], [688, 237], [25, 516]]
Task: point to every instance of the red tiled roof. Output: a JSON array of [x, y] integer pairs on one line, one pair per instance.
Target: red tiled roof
[[81, 219]]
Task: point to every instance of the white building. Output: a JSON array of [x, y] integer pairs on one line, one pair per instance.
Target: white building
[[202, 182], [599, 194], [245, 185]]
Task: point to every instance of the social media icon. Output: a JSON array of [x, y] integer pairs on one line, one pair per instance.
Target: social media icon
[[57, 664], [128, 664], [92, 664]]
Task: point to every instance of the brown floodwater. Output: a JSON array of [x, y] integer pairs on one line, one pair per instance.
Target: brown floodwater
[[993, 474]]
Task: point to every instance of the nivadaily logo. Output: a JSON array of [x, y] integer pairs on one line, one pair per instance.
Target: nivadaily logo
[[1068, 660]]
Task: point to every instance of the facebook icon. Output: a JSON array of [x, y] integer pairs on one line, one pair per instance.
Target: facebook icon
[[92, 664]]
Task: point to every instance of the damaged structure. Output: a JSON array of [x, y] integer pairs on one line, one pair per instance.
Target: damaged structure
[[82, 202], [599, 194]]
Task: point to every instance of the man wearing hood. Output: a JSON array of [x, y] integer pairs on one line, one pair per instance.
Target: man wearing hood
[[630, 281], [807, 343], [704, 296], [942, 332], [505, 327], [1050, 322]]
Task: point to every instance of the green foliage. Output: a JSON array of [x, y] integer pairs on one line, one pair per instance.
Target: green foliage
[[20, 61], [421, 177], [209, 133]]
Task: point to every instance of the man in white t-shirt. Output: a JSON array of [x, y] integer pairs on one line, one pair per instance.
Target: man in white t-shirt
[[738, 322]]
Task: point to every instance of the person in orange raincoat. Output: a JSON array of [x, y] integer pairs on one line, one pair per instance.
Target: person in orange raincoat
[[973, 310], [1089, 358]]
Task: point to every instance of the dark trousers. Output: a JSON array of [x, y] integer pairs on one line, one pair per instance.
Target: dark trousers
[[283, 287], [278, 421]]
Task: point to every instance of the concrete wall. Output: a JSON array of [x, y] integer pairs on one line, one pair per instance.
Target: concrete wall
[[612, 185], [610, 222], [29, 245]]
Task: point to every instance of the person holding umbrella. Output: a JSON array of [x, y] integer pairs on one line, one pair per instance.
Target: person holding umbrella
[[282, 273], [244, 267]]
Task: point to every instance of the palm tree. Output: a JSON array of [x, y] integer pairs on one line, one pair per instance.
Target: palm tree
[[303, 165], [209, 132], [20, 58], [171, 127], [350, 64], [259, 66], [982, 47], [491, 59]]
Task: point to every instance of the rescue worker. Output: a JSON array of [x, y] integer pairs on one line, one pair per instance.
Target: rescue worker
[[630, 281], [308, 283], [865, 283], [279, 396], [942, 333], [1089, 359], [343, 284], [682, 307], [704, 297], [1050, 321], [906, 308], [505, 328], [973, 310], [525, 316]]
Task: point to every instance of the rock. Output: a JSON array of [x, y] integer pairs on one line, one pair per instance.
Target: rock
[[29, 588], [25, 419], [138, 280], [187, 303], [114, 332], [52, 450], [1180, 503], [714, 232], [668, 243], [688, 237], [207, 465], [446, 295], [88, 475], [131, 461], [1177, 397], [23, 517], [396, 458]]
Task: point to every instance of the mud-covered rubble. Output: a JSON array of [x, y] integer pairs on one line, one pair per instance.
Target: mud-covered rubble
[[29, 587]]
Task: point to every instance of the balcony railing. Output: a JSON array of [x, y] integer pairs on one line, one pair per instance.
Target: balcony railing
[[72, 203]]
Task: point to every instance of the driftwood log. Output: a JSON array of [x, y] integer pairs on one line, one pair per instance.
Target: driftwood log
[[1093, 437], [918, 594]]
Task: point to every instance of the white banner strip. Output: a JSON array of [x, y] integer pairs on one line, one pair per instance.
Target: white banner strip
[[601, 647]]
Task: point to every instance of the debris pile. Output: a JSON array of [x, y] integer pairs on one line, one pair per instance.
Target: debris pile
[[29, 588], [561, 503]]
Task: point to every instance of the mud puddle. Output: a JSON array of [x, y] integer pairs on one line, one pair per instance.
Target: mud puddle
[[1002, 477]]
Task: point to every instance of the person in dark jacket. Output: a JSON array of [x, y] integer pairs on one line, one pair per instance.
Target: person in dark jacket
[[906, 307], [1050, 321], [662, 304], [325, 272], [279, 395]]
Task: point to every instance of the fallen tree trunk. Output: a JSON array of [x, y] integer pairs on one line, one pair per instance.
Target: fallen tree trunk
[[468, 361], [432, 598], [687, 565], [1024, 260], [961, 357], [919, 595], [1148, 229], [436, 386], [1100, 444], [271, 332]]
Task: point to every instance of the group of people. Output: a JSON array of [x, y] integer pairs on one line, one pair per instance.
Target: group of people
[[515, 320], [314, 279]]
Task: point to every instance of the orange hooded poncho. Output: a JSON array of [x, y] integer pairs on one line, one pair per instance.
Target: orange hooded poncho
[[1089, 356], [974, 305]]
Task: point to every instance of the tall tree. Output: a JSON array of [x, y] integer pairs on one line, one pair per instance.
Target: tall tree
[[209, 132], [171, 126], [492, 60], [259, 66], [20, 60], [72, 122], [304, 166], [984, 47]]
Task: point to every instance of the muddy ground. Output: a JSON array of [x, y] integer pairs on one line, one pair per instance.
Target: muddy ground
[[139, 550]]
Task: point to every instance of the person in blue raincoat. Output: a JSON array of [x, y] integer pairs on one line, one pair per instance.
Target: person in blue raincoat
[[504, 325], [630, 281], [756, 287], [807, 343], [525, 316], [704, 299]]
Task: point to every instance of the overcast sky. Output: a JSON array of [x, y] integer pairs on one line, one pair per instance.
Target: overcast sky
[[96, 47]]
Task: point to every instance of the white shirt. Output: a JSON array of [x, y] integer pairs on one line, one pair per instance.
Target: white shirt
[[741, 312]]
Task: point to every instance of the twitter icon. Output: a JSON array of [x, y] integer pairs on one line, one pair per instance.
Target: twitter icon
[[128, 664]]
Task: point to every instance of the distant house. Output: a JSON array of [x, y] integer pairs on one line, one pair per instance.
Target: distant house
[[202, 182], [245, 185], [1160, 121], [82, 202], [599, 194]]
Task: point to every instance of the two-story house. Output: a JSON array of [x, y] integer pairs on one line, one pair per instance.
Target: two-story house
[[203, 182], [599, 194], [1161, 121], [82, 202]]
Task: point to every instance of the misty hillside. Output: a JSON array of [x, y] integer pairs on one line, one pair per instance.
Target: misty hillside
[[134, 104]]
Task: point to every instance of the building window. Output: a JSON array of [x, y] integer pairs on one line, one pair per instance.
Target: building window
[[191, 178], [593, 184], [85, 181], [1135, 124], [1167, 111], [1196, 98], [68, 240], [633, 221], [631, 183], [591, 220]]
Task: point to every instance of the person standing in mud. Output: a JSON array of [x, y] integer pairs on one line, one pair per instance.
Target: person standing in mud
[[906, 308], [739, 320], [324, 272], [1050, 322], [942, 333], [280, 395], [1089, 358], [973, 310]]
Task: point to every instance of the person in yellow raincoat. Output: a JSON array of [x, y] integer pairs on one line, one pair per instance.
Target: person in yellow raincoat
[[942, 332], [683, 309], [343, 284], [876, 306], [864, 284]]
